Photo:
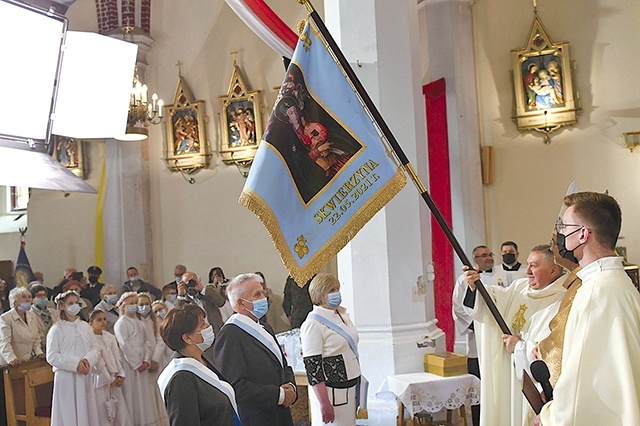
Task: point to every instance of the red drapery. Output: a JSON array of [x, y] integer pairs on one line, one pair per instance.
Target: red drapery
[[440, 190]]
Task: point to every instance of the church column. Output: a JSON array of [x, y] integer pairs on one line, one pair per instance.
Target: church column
[[447, 48], [380, 267], [126, 217]]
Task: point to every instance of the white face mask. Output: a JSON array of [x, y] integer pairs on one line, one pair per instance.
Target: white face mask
[[132, 309], [209, 336], [74, 309], [144, 309]]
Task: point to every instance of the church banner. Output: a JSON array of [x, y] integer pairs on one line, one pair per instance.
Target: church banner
[[322, 170], [23, 273]]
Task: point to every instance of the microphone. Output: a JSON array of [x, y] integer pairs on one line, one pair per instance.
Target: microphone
[[540, 372]]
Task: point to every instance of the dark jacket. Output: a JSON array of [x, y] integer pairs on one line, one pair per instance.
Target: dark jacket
[[255, 374], [297, 302], [145, 287], [192, 401]]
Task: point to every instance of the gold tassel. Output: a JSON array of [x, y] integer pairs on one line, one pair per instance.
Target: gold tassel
[[362, 413]]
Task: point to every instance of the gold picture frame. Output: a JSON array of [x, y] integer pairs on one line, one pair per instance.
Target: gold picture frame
[[240, 122], [545, 99], [70, 153], [187, 148]]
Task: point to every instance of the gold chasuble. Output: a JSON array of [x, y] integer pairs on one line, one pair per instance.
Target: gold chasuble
[[550, 349]]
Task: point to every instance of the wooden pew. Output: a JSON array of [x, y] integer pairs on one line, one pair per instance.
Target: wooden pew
[[28, 393]]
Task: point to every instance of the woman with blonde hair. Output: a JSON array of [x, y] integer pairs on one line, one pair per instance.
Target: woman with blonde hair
[[330, 354]]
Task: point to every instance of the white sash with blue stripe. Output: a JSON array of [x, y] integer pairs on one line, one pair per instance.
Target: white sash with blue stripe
[[322, 316], [257, 332], [195, 367]]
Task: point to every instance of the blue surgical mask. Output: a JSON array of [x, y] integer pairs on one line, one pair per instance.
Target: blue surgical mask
[[334, 299], [208, 336], [132, 309], [112, 299], [134, 279], [41, 302], [24, 306], [260, 307], [161, 314], [144, 309], [74, 309], [173, 297]]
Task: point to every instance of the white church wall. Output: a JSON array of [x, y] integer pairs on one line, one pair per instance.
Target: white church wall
[[532, 177]]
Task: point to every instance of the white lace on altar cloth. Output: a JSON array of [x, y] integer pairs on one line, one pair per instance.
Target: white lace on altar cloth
[[428, 392]]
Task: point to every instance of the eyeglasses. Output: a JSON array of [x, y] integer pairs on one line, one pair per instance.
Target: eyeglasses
[[559, 226], [483, 256]]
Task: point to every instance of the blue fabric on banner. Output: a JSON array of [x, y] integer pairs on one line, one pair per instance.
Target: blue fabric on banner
[[321, 171], [23, 273]]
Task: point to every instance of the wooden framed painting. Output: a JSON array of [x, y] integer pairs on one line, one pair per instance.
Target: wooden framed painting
[[70, 153], [543, 84], [186, 145], [241, 122]]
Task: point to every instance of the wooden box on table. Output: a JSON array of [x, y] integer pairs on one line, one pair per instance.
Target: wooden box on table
[[445, 364]]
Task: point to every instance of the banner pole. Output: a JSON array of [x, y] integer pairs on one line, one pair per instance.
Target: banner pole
[[404, 161]]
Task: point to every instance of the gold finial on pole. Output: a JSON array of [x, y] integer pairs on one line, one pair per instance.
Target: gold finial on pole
[[179, 65], [234, 52], [308, 5], [535, 6]]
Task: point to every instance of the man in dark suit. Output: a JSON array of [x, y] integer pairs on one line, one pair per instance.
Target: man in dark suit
[[190, 290], [248, 355], [91, 292]]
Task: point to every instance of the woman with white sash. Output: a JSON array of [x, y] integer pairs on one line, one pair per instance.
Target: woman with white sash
[[330, 353], [192, 389]]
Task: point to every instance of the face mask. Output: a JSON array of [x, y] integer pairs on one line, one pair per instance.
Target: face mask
[[334, 299], [178, 278], [161, 314], [208, 336], [144, 309], [24, 306], [93, 279], [561, 241], [509, 258], [134, 279], [260, 307], [132, 309], [112, 299], [41, 302], [172, 298], [74, 309]]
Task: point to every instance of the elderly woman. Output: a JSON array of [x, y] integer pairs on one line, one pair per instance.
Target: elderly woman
[[330, 354], [191, 387], [19, 335], [44, 310]]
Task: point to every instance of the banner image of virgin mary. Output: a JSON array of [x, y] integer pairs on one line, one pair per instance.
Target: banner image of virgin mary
[[312, 143]]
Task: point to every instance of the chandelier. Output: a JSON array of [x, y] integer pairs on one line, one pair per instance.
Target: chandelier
[[142, 113]]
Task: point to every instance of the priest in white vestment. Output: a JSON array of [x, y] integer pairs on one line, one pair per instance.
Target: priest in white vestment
[[600, 379], [517, 303]]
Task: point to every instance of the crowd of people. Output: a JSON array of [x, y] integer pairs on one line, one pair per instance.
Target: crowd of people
[[146, 356], [577, 311]]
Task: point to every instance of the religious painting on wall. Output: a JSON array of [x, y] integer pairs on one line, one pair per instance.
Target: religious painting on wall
[[543, 84], [241, 122], [69, 153], [186, 146]]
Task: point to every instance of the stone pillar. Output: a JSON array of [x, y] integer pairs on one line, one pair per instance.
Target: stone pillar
[[126, 217], [446, 37], [379, 269]]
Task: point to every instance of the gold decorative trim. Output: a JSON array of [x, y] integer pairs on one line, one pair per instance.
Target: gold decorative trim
[[347, 232]]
